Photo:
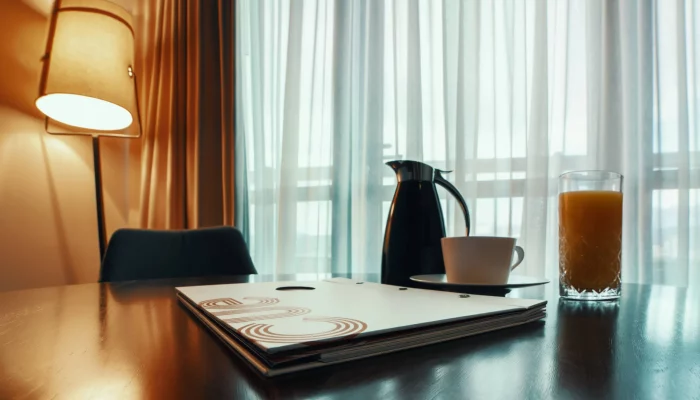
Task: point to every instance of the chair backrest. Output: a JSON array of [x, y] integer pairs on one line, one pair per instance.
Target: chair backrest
[[134, 254]]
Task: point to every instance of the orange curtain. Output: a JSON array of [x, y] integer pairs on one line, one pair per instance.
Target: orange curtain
[[185, 72]]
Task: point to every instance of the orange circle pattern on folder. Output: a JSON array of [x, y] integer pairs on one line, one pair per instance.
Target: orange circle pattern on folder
[[343, 327]]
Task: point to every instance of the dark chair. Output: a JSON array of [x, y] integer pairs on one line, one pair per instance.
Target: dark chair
[[135, 254]]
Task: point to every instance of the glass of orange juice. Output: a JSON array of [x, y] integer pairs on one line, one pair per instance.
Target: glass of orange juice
[[590, 235]]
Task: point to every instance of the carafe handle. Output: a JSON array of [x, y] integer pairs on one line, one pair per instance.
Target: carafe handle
[[453, 190]]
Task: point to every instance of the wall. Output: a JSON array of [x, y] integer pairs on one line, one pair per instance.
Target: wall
[[48, 233]]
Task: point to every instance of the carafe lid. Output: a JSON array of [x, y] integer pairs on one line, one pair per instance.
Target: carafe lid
[[408, 170]]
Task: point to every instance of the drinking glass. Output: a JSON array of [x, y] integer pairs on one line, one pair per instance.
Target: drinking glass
[[590, 235]]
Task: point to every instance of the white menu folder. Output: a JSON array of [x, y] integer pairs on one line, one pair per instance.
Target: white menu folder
[[283, 327]]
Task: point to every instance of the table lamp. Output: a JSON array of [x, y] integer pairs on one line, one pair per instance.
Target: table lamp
[[88, 84]]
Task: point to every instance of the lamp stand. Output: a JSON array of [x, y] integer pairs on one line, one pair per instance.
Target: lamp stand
[[62, 77], [101, 232]]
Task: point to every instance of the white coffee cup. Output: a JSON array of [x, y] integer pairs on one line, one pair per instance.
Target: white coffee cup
[[480, 259]]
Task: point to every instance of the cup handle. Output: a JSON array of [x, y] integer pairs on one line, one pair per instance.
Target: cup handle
[[521, 256]]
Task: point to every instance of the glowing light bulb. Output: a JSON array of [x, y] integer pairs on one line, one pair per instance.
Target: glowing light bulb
[[84, 112]]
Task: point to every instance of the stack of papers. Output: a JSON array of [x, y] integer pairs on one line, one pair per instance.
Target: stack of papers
[[283, 327]]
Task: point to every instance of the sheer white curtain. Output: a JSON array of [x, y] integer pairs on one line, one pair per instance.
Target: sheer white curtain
[[508, 94]]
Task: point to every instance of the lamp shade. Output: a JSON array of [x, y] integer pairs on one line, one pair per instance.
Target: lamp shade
[[87, 78]]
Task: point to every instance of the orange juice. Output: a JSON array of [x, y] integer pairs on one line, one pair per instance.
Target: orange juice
[[590, 239]]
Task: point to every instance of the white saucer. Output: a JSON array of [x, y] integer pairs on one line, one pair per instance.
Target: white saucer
[[514, 281]]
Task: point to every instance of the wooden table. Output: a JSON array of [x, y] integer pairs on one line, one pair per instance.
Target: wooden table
[[133, 340]]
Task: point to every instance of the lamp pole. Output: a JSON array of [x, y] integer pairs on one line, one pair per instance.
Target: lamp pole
[[99, 198]]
